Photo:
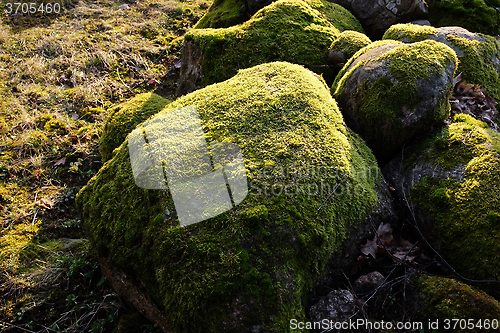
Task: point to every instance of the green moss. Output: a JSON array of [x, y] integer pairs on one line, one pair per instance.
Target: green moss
[[473, 15], [463, 212], [338, 80], [409, 33], [447, 299], [477, 63], [286, 30], [223, 14], [340, 17], [349, 42], [283, 118], [380, 104], [125, 117]]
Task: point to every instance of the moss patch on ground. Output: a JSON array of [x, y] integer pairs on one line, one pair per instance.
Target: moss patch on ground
[[124, 117], [448, 298], [466, 214], [473, 15], [261, 257], [379, 104], [478, 63], [286, 30]]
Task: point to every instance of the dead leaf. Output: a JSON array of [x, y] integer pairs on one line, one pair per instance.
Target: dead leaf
[[60, 161], [46, 203], [370, 248]]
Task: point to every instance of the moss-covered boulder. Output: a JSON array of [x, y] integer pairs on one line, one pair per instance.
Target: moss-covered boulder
[[479, 54], [346, 45], [473, 15], [444, 299], [389, 92], [123, 118], [312, 184], [226, 13], [286, 30], [454, 182]]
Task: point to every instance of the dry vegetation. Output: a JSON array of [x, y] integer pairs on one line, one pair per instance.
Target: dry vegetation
[[58, 76]]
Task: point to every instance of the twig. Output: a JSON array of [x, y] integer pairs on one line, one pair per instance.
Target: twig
[[330, 195]]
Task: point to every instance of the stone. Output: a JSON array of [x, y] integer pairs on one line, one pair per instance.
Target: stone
[[479, 55], [377, 16], [346, 45], [368, 282], [337, 306], [390, 93], [451, 186], [248, 268]]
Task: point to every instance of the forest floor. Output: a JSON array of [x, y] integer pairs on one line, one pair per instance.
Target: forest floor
[[59, 73]]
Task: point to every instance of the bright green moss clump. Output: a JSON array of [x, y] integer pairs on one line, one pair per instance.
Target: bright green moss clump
[[473, 15], [286, 30], [447, 299], [409, 33], [124, 117], [349, 42], [261, 257], [465, 213]]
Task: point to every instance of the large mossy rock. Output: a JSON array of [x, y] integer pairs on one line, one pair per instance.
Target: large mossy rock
[[123, 118], [226, 13], [391, 92], [473, 15], [478, 54], [248, 269], [443, 299], [454, 182], [286, 30]]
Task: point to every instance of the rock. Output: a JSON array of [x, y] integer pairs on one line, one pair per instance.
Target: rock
[[378, 15], [299, 34], [443, 298], [479, 55], [338, 305], [346, 45], [368, 282], [124, 117], [250, 267], [451, 184], [390, 93], [226, 13], [421, 22], [475, 16]]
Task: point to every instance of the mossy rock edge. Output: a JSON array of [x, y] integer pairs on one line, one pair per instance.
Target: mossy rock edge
[[253, 265]]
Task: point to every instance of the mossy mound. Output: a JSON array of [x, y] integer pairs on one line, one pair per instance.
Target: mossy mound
[[252, 265], [479, 54], [286, 30], [346, 45], [226, 13], [473, 15], [447, 299], [465, 213], [391, 93], [123, 118]]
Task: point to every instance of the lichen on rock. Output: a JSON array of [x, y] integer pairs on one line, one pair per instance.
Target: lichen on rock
[[478, 54], [286, 30], [390, 92], [252, 265]]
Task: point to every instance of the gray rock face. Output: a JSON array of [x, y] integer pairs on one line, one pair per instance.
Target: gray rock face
[[376, 16], [368, 282], [336, 306], [191, 72]]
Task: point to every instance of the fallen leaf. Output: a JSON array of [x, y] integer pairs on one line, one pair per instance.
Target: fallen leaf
[[370, 248], [46, 203], [60, 161]]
